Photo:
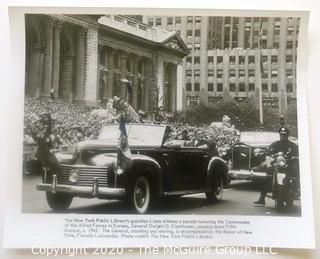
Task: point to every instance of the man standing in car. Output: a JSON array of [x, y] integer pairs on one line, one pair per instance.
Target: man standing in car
[[285, 146]]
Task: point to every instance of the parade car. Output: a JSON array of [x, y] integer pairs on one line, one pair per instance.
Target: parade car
[[244, 157], [156, 168]]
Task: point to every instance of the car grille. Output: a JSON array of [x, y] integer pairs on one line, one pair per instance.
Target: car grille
[[86, 176]]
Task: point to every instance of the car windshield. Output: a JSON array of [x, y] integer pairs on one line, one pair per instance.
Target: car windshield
[[138, 134], [258, 137]]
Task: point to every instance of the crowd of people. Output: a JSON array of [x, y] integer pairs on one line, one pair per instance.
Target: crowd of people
[[74, 122]]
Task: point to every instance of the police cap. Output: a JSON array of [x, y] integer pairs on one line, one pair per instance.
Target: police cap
[[283, 130]]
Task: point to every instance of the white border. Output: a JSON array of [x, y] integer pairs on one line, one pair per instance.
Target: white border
[[25, 223]]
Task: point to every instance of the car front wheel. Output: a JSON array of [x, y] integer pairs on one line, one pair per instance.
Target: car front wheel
[[217, 189], [141, 195], [58, 201]]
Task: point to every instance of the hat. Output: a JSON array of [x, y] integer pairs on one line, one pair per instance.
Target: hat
[[283, 130]]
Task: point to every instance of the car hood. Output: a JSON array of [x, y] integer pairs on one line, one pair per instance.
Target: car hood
[[96, 144]]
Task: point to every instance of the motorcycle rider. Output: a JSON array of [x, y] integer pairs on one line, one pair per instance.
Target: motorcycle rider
[[285, 146]]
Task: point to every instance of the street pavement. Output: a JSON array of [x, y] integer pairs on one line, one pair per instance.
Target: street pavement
[[238, 199]]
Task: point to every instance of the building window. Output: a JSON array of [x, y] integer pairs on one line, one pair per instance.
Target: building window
[[274, 73], [178, 20], [289, 44], [220, 59], [189, 61], [232, 87], [264, 73], [197, 60], [251, 73], [219, 73], [210, 87], [242, 87], [189, 20], [290, 30], [264, 59], [196, 87], [289, 73], [158, 21], [189, 33], [232, 60], [197, 33], [274, 59], [289, 88], [289, 59], [210, 73], [188, 73], [188, 87], [198, 20], [193, 101], [242, 73], [251, 87], [170, 20], [241, 60], [219, 87], [251, 60], [210, 59], [189, 46], [196, 73], [264, 87], [197, 46], [151, 21], [232, 73], [276, 45], [274, 88]]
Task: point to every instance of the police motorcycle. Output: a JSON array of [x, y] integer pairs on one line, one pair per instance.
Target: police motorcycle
[[285, 182]]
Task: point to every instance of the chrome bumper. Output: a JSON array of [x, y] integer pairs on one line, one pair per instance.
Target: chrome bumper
[[246, 175], [94, 191]]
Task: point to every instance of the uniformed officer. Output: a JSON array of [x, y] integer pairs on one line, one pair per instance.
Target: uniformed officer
[[283, 145]]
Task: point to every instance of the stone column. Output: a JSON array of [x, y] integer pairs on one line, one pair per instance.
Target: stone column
[[81, 42], [173, 88], [56, 57], [91, 67], [105, 74], [34, 80], [135, 81], [48, 57], [123, 74], [110, 53], [150, 86], [180, 94], [160, 82]]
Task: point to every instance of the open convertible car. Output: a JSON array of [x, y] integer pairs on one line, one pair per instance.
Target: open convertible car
[[243, 159], [155, 169]]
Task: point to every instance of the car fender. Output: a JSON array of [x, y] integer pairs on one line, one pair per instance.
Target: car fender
[[218, 166], [150, 167]]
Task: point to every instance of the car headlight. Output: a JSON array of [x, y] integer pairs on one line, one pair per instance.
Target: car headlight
[[281, 161]]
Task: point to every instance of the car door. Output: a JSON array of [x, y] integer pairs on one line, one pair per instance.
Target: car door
[[167, 159], [191, 167]]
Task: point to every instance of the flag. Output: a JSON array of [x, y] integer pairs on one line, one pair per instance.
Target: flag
[[123, 145], [123, 149]]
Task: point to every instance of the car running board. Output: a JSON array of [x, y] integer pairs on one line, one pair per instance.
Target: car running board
[[179, 193]]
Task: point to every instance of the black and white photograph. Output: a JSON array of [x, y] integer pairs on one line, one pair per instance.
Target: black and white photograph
[[146, 114]]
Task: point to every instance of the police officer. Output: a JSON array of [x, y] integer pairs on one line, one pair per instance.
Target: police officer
[[283, 145]]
